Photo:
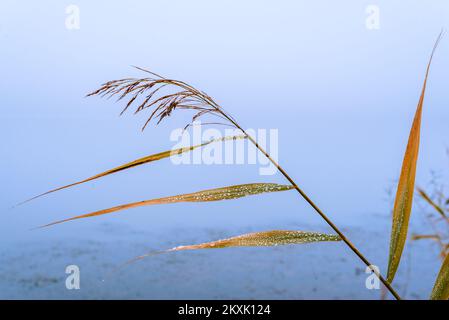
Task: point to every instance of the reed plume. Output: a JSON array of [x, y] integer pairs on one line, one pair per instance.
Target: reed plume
[[182, 97]]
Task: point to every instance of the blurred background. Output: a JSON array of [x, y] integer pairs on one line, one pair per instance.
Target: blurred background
[[340, 82]]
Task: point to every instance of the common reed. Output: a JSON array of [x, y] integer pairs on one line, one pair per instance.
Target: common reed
[[438, 221], [186, 97], [163, 96]]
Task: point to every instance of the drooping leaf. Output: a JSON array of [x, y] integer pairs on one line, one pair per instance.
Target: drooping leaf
[[437, 208], [137, 162], [404, 195], [441, 288], [225, 193], [426, 237], [256, 239]]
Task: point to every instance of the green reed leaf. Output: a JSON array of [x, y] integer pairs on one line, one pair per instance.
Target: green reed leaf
[[404, 195], [225, 193], [255, 239], [441, 288], [138, 162]]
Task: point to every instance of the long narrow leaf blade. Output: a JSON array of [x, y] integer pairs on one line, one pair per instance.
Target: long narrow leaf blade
[[426, 197], [256, 239], [404, 195], [441, 288], [135, 163], [225, 193]]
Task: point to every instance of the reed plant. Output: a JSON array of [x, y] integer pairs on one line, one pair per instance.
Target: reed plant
[[438, 222], [162, 97]]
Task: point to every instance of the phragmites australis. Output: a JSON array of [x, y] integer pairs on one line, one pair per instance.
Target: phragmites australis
[[163, 96]]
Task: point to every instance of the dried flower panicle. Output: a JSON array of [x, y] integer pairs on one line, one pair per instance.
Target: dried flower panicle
[[183, 97]]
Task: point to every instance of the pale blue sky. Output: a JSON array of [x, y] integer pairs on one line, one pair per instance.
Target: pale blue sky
[[341, 96]]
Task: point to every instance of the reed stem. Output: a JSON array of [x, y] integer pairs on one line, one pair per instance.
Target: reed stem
[[321, 213]]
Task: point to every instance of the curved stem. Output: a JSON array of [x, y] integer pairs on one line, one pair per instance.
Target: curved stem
[[321, 213]]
